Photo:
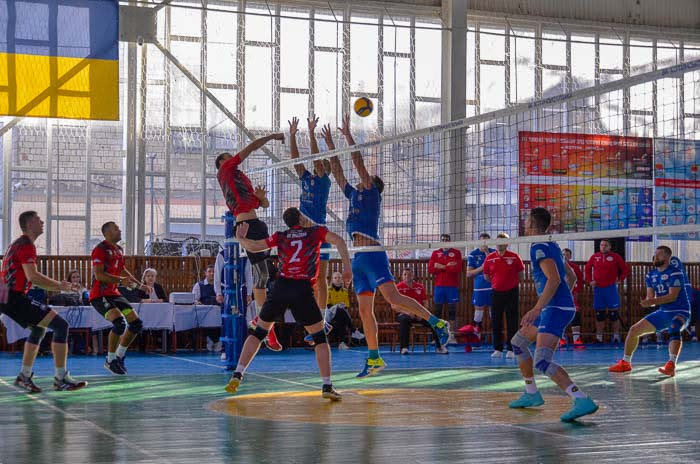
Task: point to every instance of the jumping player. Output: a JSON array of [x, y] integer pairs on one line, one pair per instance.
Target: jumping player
[[481, 297], [546, 321], [371, 269], [298, 249], [666, 289], [19, 273], [108, 272], [242, 200]]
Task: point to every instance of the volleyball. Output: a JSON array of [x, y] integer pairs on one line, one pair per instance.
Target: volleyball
[[363, 107]]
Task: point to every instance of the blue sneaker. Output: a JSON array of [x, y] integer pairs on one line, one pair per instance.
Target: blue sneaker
[[442, 329], [326, 328], [582, 407], [527, 400], [372, 367]]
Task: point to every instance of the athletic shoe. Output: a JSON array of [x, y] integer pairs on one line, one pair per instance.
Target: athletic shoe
[[217, 347], [694, 339], [452, 340], [210, 344], [497, 354], [578, 342], [271, 341], [669, 369], [404, 350], [343, 346], [26, 383], [67, 383], [562, 342], [621, 366], [330, 393], [442, 330], [122, 361], [582, 407], [527, 400], [372, 367], [114, 366], [326, 328], [234, 383], [441, 350], [223, 356], [510, 355]]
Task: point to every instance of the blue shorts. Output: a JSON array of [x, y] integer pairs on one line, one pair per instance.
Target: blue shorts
[[662, 319], [606, 297], [325, 256], [554, 320], [446, 295], [482, 297], [370, 269]]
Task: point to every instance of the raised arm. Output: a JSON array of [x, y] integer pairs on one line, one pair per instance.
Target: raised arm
[[261, 193], [339, 243], [357, 159], [319, 167], [257, 144], [293, 148], [336, 167]]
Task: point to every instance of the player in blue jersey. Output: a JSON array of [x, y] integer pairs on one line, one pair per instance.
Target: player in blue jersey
[[371, 269], [314, 198], [666, 289], [481, 297], [546, 321]]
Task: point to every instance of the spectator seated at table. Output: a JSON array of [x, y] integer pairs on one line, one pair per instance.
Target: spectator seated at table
[[132, 295], [337, 312], [72, 297], [205, 294], [157, 294]]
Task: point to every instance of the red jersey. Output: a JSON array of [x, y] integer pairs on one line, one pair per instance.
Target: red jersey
[[503, 270], [22, 251], [299, 251], [448, 277], [236, 186], [578, 286], [606, 268], [112, 258], [415, 291]]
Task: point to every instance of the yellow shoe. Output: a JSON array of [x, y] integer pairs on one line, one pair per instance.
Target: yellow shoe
[[372, 366], [232, 386]]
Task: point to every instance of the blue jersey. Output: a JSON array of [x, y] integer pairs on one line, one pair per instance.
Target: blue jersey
[[538, 251], [314, 197], [476, 259], [663, 281], [363, 213], [678, 264]]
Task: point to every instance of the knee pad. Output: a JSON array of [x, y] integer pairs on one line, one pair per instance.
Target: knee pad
[[261, 274], [521, 347], [119, 326], [614, 315], [36, 335], [600, 316], [319, 337], [478, 315], [136, 326], [674, 329], [260, 333], [60, 329], [543, 361]]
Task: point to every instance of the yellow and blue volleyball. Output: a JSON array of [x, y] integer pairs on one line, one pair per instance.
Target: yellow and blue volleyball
[[363, 107]]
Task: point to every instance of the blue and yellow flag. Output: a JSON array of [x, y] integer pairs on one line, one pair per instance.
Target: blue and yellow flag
[[59, 58]]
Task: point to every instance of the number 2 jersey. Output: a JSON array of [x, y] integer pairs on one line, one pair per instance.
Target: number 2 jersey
[[299, 251]]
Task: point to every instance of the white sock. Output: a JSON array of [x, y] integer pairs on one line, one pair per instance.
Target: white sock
[[673, 357], [616, 336], [478, 315], [627, 357], [26, 371], [599, 338], [530, 385], [121, 351], [111, 356], [240, 369], [326, 380], [60, 373], [576, 332], [574, 392]]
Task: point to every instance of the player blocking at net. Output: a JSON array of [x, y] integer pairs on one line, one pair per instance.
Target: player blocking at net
[[298, 249], [546, 321], [370, 269], [667, 290]]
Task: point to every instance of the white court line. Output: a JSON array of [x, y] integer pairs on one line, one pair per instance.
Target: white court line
[[116, 438]]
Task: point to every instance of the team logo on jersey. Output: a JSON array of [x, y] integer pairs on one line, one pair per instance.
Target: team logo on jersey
[[312, 182], [451, 255], [609, 258], [509, 261], [359, 197], [664, 277], [539, 254]]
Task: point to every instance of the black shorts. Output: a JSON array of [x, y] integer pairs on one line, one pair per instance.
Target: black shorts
[[104, 303], [24, 311], [297, 295], [257, 230]]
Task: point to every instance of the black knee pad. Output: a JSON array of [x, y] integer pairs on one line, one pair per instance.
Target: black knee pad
[[674, 329], [319, 337], [60, 329], [613, 315], [119, 326], [600, 316], [259, 333], [36, 335], [136, 326]]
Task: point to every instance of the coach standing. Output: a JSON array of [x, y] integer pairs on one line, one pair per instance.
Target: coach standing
[[602, 272], [504, 269]]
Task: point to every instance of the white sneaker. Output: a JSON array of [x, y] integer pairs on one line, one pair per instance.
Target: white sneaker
[[510, 355], [210, 344], [694, 339], [223, 356], [217, 347], [452, 340], [358, 335], [497, 354], [343, 346], [404, 350], [441, 350]]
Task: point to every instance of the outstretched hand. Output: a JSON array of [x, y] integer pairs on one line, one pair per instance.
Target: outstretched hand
[[260, 191], [293, 126], [312, 122], [347, 277], [345, 128], [326, 133]]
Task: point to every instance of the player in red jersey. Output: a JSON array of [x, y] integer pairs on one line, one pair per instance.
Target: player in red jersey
[[108, 271], [576, 292], [19, 273], [299, 252], [242, 200]]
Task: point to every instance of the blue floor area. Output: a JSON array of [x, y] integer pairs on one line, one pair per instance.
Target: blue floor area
[[302, 360]]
